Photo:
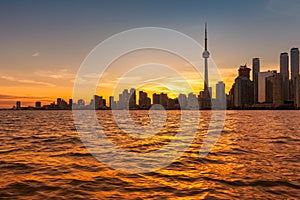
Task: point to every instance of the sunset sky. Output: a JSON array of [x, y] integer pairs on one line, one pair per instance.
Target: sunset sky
[[43, 43]]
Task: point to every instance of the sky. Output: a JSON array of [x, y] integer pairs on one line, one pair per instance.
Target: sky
[[43, 43]]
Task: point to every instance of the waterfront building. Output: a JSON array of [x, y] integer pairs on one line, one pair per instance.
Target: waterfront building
[[163, 100], [220, 95], [132, 99], [112, 103], [242, 89], [155, 98], [294, 72], [97, 102], [70, 103], [274, 90], [262, 84], [144, 101], [297, 92], [38, 105], [18, 105], [61, 104], [255, 71], [284, 71]]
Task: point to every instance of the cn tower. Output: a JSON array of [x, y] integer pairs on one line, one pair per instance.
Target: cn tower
[[205, 55]]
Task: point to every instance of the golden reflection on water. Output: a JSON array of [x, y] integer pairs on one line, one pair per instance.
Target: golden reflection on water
[[257, 156]]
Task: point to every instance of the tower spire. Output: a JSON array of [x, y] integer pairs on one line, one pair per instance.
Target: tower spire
[[205, 36]]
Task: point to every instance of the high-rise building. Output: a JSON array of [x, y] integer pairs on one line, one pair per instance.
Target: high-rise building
[[172, 104], [70, 103], [61, 104], [297, 92], [112, 103], [262, 84], [242, 89], [132, 99], [220, 95], [294, 63], [163, 100], [144, 101], [255, 71], [284, 71], [274, 90], [124, 99], [155, 98], [97, 102], [294, 72]]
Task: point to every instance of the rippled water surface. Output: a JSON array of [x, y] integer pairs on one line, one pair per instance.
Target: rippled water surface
[[257, 156]]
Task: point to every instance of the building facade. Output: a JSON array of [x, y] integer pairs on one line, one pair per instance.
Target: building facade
[[284, 71], [274, 90], [255, 71]]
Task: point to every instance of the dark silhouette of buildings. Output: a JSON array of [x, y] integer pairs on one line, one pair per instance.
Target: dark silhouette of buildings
[[294, 72], [284, 71], [297, 92], [241, 93], [255, 71], [18, 105], [38, 105], [274, 90], [144, 100]]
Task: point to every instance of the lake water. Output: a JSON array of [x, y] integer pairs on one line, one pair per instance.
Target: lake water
[[257, 156]]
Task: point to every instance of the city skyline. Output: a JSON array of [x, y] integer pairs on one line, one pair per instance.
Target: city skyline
[[289, 75], [47, 60]]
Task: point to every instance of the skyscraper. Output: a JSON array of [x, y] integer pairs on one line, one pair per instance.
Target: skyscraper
[[262, 84], [284, 71], [294, 62], [242, 90], [274, 92], [144, 101], [294, 72], [220, 95], [297, 92], [132, 99], [255, 71], [156, 98]]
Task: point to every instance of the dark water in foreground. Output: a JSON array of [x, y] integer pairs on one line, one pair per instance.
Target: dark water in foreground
[[257, 157]]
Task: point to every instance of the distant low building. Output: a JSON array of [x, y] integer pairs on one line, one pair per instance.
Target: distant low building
[[18, 105], [38, 105]]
